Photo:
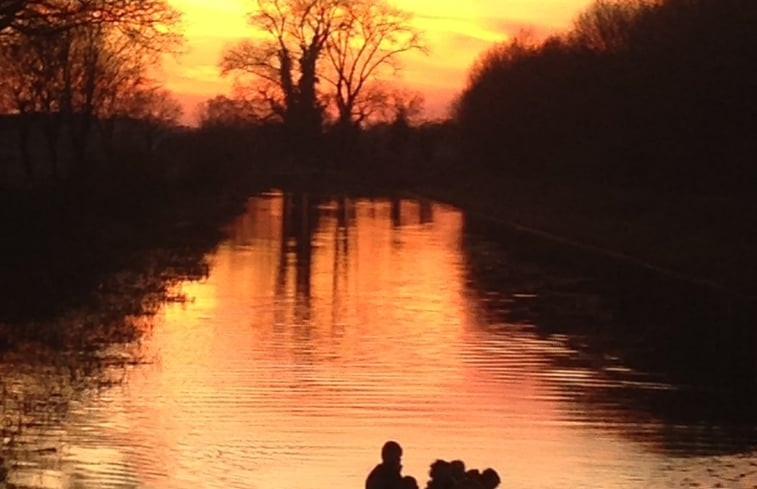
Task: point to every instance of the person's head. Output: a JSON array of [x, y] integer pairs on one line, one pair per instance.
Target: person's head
[[391, 453], [490, 478], [473, 474], [457, 469], [409, 482], [440, 471]]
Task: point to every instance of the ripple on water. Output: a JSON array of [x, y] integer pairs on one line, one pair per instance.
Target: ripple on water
[[317, 336]]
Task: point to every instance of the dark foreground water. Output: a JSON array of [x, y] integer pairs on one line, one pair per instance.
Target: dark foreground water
[[329, 325]]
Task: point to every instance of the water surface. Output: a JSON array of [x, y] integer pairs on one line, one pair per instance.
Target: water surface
[[328, 325]]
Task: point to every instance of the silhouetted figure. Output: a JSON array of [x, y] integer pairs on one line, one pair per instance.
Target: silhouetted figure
[[441, 475], [490, 478], [409, 482], [473, 479], [386, 475], [452, 475], [457, 472]]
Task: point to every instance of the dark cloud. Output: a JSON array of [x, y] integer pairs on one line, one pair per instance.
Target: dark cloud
[[512, 27], [464, 41]]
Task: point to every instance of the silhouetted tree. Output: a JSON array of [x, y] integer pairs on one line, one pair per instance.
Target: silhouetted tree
[[365, 47], [110, 58], [225, 112], [20, 92], [142, 20], [76, 65], [644, 92], [28, 16], [349, 44], [154, 108], [607, 25], [284, 66], [9, 10]]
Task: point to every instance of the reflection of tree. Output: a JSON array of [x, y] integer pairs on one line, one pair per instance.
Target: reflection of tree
[[425, 212], [657, 331], [301, 219], [341, 240], [36, 398], [49, 365], [395, 212], [298, 225], [399, 214], [344, 219]]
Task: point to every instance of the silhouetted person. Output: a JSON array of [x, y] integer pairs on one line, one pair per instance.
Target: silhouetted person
[[452, 475], [409, 482], [441, 475], [386, 475], [473, 479], [490, 478], [457, 472]]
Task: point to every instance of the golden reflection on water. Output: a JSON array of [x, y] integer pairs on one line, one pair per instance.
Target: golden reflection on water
[[325, 327], [328, 327]]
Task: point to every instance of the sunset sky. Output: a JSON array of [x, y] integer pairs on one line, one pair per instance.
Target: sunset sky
[[456, 33]]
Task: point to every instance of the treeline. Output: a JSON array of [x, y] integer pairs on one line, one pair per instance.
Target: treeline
[[317, 70], [98, 183], [76, 79], [638, 92], [395, 145]]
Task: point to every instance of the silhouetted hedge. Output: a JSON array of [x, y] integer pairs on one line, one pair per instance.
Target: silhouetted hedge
[[637, 92]]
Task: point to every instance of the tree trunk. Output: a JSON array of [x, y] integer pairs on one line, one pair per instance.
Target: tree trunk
[[23, 145], [310, 117]]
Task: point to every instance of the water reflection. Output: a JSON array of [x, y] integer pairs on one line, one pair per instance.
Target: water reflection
[[673, 353], [328, 325], [54, 374]]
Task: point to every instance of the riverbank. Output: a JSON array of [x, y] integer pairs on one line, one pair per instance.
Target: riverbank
[[708, 239], [702, 238], [103, 252]]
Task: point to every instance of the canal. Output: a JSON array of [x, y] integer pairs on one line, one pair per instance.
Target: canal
[[327, 325]]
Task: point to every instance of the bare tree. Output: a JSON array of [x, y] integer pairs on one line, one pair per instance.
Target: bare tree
[[407, 107], [367, 45], [9, 9], [284, 65], [222, 111], [24, 15], [155, 109], [32, 78], [142, 20], [606, 25], [80, 59], [360, 42], [381, 103], [17, 92], [262, 73], [111, 51]]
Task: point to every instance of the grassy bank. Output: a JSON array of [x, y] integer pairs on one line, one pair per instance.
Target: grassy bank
[[704, 238]]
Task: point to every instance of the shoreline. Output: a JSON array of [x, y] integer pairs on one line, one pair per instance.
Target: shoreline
[[657, 234]]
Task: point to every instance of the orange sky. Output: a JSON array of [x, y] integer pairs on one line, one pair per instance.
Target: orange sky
[[457, 31]]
